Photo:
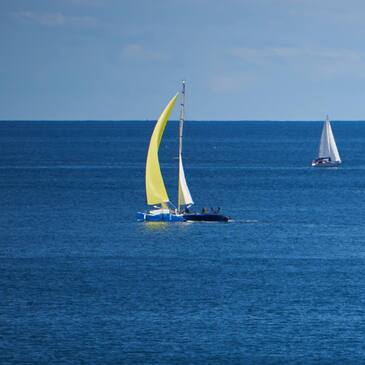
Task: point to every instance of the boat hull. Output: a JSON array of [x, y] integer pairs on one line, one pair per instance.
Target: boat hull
[[163, 217], [326, 164], [205, 217]]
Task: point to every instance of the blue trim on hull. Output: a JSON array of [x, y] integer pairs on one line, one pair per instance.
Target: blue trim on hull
[[145, 217]]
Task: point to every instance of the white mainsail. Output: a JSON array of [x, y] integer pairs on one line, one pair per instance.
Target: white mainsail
[[184, 193], [327, 146], [184, 196]]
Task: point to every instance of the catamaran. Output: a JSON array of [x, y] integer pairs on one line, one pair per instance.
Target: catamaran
[[163, 209], [328, 155]]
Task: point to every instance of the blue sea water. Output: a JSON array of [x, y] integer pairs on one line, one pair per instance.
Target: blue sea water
[[81, 282]]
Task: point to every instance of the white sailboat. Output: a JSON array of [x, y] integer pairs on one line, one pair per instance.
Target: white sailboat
[[328, 155]]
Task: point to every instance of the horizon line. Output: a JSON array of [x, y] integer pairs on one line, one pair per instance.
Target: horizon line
[[176, 120]]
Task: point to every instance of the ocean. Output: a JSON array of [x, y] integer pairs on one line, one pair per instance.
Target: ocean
[[81, 282]]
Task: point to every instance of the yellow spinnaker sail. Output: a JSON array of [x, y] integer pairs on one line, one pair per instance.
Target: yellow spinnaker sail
[[155, 187]]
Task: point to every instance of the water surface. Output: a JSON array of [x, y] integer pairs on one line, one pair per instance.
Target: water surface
[[82, 282]]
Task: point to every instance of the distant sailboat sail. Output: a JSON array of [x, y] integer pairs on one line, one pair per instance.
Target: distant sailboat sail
[[155, 187], [328, 155], [184, 196], [327, 146]]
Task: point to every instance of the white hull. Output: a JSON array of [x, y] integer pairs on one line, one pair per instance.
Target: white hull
[[326, 164]]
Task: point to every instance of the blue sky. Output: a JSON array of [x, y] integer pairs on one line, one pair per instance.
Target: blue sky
[[242, 59]]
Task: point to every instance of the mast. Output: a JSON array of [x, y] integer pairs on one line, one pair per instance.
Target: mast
[[181, 127], [328, 135]]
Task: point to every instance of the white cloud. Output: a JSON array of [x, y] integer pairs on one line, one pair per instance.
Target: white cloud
[[86, 2], [137, 51], [226, 83], [57, 19], [330, 11], [313, 62]]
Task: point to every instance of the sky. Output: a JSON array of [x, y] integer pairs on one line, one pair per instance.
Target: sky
[[124, 59]]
